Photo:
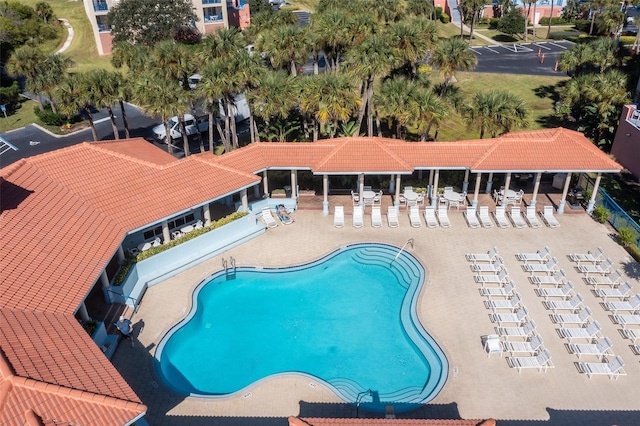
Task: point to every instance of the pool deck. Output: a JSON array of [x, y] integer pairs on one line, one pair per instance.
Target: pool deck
[[451, 310]]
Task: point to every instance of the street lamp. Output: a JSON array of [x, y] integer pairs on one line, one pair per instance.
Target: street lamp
[[361, 395]]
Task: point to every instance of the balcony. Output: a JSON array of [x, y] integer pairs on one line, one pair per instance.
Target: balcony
[[101, 7], [211, 2], [211, 19], [104, 28]]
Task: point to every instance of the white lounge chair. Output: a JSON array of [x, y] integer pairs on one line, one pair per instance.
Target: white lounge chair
[[549, 218], [581, 318], [541, 361], [414, 217], [518, 317], [527, 330], [573, 304], [591, 257], [626, 320], [604, 268], [631, 305], [268, 218], [631, 334], [492, 268], [517, 218], [430, 217], [548, 268], [531, 347], [492, 344], [358, 217], [591, 331], [619, 292], [376, 217], [485, 219], [556, 279], [472, 219], [443, 217], [565, 291], [601, 348], [501, 217], [539, 256], [501, 278], [613, 369], [392, 217], [489, 256], [512, 304], [338, 216], [504, 291], [610, 280], [532, 218]]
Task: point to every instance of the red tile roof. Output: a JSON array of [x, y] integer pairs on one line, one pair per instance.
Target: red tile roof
[[50, 365], [313, 421], [63, 215]]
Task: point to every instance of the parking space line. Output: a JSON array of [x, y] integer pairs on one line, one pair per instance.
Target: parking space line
[[476, 51], [558, 45], [494, 51], [541, 45]]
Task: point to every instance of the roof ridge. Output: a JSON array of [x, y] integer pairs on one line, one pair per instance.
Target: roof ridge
[[487, 153], [9, 170], [336, 147], [95, 146], [386, 149]]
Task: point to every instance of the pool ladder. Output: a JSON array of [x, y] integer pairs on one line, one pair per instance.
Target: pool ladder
[[409, 241], [229, 270]]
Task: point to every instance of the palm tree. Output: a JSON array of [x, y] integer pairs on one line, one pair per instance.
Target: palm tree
[[473, 8], [412, 40], [331, 29], [221, 44], [53, 71], [421, 8], [527, 12], [496, 112], [285, 46], [427, 109], [105, 89], [604, 53], [450, 55], [274, 97], [75, 94], [393, 102], [27, 61], [134, 56], [576, 58], [370, 59], [596, 7], [123, 95]]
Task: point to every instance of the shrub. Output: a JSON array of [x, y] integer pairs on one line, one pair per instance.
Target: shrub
[[627, 236], [438, 13], [186, 35], [128, 263], [493, 23], [627, 40], [582, 25], [634, 251], [601, 214], [555, 21], [90, 326], [10, 97], [445, 18], [49, 117]]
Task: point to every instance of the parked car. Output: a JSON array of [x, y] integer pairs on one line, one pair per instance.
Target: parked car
[[191, 124]]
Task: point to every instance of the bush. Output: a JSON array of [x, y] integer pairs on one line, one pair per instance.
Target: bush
[[493, 23], [627, 40], [10, 97], [49, 117], [438, 13], [582, 25], [634, 251], [445, 18], [555, 21], [186, 35], [601, 214], [627, 236]]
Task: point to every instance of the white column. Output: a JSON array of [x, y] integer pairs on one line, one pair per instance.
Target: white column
[[206, 214], [396, 200], [434, 191], [465, 183], [594, 193], [477, 189], [361, 187], [430, 187], [507, 182], [489, 183], [104, 281], [325, 195], [565, 191], [120, 254], [245, 201], [82, 310], [165, 232], [294, 193], [392, 185], [536, 187], [265, 183]]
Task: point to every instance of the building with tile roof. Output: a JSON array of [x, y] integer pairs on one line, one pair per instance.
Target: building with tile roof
[[68, 214]]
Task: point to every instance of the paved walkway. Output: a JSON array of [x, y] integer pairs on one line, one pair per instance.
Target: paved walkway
[[449, 307], [70, 35]]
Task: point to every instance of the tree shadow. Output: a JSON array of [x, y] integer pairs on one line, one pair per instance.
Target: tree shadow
[[504, 38]]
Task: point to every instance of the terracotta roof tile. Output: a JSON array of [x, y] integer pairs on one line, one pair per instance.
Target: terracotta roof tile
[[313, 421]]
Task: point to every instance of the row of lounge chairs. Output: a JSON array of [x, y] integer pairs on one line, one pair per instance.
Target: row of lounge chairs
[[480, 217], [615, 294], [358, 217], [516, 333], [568, 310]]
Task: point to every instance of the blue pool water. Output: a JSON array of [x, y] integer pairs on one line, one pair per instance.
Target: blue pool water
[[348, 319]]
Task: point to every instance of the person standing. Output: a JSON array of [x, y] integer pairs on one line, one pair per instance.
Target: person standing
[[125, 327]]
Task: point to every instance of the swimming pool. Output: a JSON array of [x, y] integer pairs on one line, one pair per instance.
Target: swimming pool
[[347, 319]]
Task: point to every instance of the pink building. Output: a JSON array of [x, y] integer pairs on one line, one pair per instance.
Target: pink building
[[626, 144]]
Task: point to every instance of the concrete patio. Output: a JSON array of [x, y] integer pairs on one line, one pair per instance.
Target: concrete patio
[[450, 309]]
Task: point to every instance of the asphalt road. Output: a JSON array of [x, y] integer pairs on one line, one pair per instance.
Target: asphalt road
[[524, 59]]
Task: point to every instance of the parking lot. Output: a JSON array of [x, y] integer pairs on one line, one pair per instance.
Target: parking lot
[[527, 58]]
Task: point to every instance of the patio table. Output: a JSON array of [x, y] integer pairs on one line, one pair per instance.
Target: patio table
[[410, 197], [451, 195], [186, 229], [367, 197]]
